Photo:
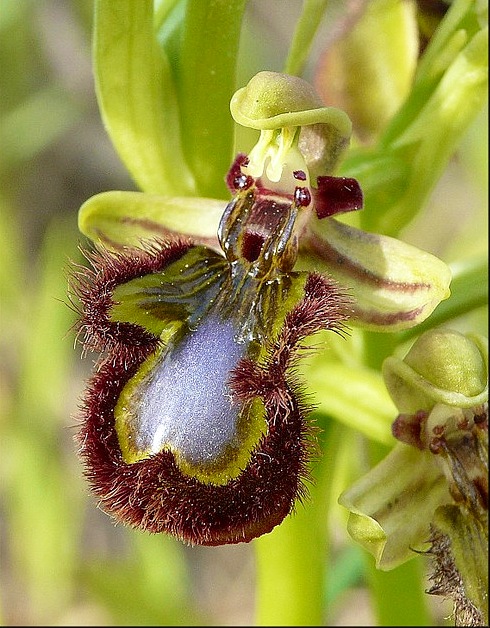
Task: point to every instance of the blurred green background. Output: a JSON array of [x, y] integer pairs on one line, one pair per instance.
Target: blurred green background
[[62, 561]]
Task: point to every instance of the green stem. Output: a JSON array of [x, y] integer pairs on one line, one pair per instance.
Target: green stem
[[398, 596], [291, 561], [207, 68], [290, 564]]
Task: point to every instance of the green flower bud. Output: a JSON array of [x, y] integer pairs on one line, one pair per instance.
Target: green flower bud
[[443, 367]]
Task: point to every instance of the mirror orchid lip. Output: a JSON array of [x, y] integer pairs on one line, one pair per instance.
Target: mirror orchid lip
[[207, 501]]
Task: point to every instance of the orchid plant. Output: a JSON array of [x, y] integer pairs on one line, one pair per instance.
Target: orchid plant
[[252, 304]]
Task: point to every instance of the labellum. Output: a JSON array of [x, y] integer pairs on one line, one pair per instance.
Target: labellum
[[194, 422]]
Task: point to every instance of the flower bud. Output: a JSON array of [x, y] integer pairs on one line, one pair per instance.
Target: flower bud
[[443, 366]]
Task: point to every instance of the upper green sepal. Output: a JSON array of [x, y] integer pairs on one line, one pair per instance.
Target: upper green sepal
[[442, 367], [273, 101]]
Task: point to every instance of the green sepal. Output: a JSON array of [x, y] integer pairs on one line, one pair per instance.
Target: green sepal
[[394, 285], [442, 367], [183, 291], [123, 219], [392, 506], [272, 101]]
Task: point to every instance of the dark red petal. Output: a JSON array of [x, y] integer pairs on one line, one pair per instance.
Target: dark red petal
[[336, 195], [153, 494], [408, 428], [93, 287]]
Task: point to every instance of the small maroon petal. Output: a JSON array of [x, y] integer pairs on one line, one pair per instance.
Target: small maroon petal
[[93, 288], [408, 428], [336, 195]]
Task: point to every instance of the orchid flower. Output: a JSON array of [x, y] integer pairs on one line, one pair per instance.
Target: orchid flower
[[431, 492], [204, 291], [194, 423]]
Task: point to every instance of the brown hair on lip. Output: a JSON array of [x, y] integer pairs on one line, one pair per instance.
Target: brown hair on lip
[[154, 494], [93, 287]]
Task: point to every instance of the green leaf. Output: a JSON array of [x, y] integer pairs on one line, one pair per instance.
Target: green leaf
[[210, 42], [137, 98], [370, 69]]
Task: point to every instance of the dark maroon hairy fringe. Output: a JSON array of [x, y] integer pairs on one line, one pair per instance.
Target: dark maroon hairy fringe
[[153, 494], [93, 286]]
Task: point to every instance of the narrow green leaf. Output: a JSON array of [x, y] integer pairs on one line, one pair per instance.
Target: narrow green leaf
[[137, 97], [207, 71]]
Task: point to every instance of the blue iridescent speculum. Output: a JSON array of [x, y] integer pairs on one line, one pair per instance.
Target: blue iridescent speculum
[[193, 422]]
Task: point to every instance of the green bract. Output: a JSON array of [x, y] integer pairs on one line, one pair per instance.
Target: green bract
[[449, 89], [443, 366]]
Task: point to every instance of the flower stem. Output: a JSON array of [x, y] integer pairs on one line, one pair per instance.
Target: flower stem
[[397, 596], [290, 573], [291, 561]]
